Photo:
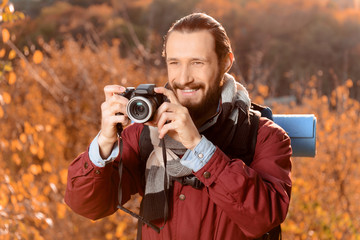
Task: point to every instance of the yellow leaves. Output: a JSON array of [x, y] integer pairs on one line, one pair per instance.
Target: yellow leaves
[[5, 35], [26, 50], [4, 3], [8, 13], [38, 57], [1, 112]]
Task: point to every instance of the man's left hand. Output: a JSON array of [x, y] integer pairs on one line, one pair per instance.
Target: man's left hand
[[174, 119]]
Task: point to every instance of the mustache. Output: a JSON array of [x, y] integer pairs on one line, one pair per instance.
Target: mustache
[[176, 85]]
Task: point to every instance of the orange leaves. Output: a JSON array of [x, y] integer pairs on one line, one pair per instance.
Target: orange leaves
[[28, 128], [334, 171], [27, 178], [23, 137], [61, 210], [35, 169], [349, 83], [5, 97], [263, 90], [38, 57], [12, 54], [5, 35], [33, 149], [2, 52], [11, 78], [121, 228], [63, 176], [16, 159], [47, 167]]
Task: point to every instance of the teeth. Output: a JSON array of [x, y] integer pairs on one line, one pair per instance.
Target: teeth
[[189, 90]]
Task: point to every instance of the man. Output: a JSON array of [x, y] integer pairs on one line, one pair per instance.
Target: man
[[206, 126]]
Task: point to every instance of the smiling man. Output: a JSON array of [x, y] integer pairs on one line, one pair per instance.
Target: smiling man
[[216, 186]]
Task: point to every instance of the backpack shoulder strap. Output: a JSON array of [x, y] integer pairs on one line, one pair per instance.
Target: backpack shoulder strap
[[254, 118], [264, 110], [256, 111]]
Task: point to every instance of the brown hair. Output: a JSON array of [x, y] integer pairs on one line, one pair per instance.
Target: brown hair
[[201, 21]]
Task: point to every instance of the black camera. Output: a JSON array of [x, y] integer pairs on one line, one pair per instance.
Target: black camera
[[143, 102]]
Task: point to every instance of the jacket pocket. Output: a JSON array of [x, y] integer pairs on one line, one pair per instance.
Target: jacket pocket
[[78, 168]]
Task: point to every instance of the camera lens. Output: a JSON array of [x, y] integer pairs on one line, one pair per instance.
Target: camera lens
[[140, 109]]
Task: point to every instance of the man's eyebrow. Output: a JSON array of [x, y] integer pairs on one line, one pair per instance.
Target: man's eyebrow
[[171, 59], [204, 59]]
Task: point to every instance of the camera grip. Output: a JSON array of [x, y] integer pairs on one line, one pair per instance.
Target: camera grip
[[119, 127]]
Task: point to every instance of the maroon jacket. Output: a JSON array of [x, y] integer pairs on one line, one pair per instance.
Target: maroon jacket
[[237, 202]]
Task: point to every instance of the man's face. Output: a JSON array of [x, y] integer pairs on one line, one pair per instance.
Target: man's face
[[193, 71]]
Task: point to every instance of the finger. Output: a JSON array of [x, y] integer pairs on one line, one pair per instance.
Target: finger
[[166, 128], [109, 90], [168, 93], [124, 120], [165, 107], [166, 118], [110, 108]]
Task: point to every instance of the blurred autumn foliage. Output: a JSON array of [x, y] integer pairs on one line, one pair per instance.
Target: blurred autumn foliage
[[53, 68]]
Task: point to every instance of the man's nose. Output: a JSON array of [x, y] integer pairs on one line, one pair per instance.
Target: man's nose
[[185, 76]]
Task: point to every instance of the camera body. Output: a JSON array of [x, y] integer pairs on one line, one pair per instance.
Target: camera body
[[143, 102]]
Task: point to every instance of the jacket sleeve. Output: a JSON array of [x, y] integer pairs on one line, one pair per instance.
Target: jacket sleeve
[[93, 191], [257, 197]]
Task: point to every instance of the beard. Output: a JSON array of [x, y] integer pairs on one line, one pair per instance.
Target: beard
[[200, 110]]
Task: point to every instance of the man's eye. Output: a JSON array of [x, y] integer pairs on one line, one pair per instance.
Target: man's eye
[[173, 63], [198, 63]]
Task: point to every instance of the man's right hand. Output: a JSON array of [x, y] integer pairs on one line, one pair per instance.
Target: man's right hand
[[114, 103]]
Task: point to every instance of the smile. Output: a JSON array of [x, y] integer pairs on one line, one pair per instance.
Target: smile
[[189, 90]]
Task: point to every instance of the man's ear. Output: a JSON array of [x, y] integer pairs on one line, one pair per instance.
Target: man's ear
[[228, 61]]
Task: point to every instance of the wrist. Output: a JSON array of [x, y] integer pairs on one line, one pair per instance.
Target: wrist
[[195, 142], [105, 145]]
